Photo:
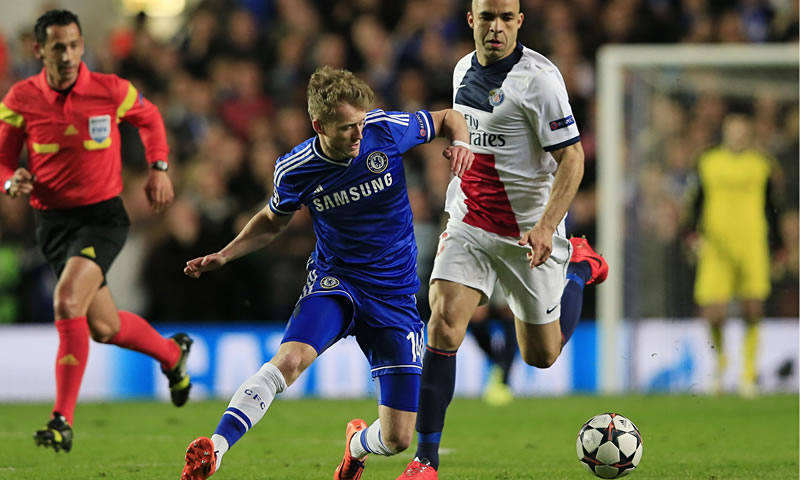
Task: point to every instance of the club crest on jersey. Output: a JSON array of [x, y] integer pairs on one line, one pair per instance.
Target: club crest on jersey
[[100, 127], [329, 282], [496, 96], [377, 162]]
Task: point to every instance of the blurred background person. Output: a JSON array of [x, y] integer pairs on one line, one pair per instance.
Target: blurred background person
[[492, 325], [734, 211], [228, 75]]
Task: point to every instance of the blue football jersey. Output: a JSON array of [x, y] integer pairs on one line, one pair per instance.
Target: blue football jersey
[[360, 209]]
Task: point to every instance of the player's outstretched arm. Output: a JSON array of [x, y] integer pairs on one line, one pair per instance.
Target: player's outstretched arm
[[258, 233], [451, 124], [195, 267]]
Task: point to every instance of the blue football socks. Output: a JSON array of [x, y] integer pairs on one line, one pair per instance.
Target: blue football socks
[[572, 298]]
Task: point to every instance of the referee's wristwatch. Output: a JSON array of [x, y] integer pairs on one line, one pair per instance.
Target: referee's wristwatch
[[7, 186], [160, 165]]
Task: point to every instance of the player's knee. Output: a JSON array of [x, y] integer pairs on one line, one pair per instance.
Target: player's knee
[[445, 328], [397, 442], [100, 336], [715, 314], [752, 311], [443, 311], [101, 333], [544, 358], [291, 364], [66, 305]]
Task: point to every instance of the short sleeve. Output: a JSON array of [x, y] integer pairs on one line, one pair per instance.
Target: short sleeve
[[285, 199], [546, 104], [407, 129]]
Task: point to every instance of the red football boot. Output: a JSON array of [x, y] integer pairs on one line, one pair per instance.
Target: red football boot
[[419, 470], [201, 460], [351, 467], [583, 252]]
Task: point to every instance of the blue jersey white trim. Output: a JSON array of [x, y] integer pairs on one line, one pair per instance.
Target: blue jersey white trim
[[291, 162], [390, 367], [359, 206], [380, 115], [319, 153]]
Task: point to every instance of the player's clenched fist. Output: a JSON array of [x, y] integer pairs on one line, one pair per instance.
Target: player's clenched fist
[[194, 268]]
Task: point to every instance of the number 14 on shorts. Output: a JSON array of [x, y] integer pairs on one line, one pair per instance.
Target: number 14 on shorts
[[417, 344]]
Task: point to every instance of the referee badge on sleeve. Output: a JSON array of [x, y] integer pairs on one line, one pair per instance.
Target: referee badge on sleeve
[[100, 127]]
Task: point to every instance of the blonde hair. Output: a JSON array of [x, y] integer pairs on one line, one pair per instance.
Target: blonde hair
[[329, 87]]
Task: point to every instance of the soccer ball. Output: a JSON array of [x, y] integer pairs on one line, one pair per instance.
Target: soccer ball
[[609, 445]]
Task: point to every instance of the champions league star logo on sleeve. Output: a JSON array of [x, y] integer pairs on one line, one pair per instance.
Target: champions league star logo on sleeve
[[377, 162], [496, 97]]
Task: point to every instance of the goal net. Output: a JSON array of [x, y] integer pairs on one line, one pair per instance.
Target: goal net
[[658, 108]]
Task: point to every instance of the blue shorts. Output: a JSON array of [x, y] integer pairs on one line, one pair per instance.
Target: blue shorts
[[387, 328]]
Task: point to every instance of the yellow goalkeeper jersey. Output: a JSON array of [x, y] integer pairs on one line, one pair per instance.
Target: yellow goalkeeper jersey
[[734, 195]]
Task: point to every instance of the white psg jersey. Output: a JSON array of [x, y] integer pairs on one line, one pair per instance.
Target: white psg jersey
[[517, 111]]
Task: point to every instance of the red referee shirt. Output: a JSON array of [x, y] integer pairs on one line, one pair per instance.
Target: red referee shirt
[[73, 140]]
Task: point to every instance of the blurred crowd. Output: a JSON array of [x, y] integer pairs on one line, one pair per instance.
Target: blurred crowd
[[675, 126], [231, 88]]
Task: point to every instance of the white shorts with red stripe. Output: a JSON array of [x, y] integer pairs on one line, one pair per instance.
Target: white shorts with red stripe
[[479, 259]]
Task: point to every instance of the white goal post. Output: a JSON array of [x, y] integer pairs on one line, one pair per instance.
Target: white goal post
[[612, 62]]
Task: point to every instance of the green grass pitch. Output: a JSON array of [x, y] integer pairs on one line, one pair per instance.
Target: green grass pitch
[[685, 437]]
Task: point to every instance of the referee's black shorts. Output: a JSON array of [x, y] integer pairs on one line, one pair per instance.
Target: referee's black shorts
[[97, 232]]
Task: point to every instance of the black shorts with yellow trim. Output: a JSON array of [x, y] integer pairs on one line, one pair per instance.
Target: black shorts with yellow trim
[[97, 232]]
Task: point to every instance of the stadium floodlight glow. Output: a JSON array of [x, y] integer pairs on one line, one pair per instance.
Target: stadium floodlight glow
[[154, 8], [614, 63]]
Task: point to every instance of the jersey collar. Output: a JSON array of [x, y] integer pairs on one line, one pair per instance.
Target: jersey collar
[[502, 65], [318, 152], [81, 84]]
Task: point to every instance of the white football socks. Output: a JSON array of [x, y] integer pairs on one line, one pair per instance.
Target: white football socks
[[220, 447], [373, 440], [252, 399]]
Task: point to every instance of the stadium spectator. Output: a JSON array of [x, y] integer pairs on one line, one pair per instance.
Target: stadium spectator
[[67, 118], [24, 61], [243, 38], [428, 35], [733, 212], [786, 268], [511, 204], [362, 275], [197, 42]]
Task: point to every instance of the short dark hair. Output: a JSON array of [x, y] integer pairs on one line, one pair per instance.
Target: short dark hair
[[54, 17]]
